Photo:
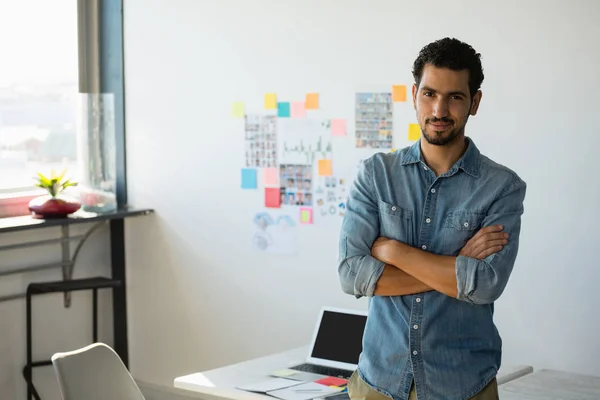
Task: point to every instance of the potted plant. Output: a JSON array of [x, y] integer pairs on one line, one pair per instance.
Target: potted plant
[[55, 204]]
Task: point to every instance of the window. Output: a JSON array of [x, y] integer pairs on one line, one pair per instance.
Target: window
[[39, 95]]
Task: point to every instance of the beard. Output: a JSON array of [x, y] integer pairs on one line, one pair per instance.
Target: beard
[[443, 138]]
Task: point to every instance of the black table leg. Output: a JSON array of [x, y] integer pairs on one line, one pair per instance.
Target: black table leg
[[117, 248]]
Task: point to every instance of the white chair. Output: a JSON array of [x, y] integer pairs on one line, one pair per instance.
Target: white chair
[[94, 372]]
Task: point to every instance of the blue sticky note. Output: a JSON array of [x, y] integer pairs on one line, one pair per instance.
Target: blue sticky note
[[248, 178], [283, 110]]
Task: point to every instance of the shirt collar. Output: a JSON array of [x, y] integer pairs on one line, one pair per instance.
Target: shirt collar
[[469, 162]]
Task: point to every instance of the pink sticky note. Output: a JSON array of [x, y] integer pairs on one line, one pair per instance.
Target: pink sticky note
[[270, 176], [338, 127], [272, 198], [298, 109], [306, 215]]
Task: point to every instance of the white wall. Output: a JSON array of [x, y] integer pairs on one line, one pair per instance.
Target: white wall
[[201, 297], [55, 328]]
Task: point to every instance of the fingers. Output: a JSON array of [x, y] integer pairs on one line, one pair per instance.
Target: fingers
[[488, 252]]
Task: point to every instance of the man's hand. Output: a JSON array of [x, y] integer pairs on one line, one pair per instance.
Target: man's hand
[[487, 241], [383, 249]]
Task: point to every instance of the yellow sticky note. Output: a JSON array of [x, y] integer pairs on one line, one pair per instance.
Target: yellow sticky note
[[399, 93], [238, 109], [284, 373], [414, 132], [270, 101], [325, 168], [312, 101]]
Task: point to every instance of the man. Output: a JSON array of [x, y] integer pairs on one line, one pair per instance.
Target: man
[[430, 235]]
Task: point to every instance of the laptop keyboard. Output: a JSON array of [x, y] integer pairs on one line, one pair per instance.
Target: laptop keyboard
[[327, 371]]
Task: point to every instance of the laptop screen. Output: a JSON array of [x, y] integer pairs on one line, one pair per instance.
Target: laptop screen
[[339, 337]]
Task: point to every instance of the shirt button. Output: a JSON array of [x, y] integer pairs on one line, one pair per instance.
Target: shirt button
[[416, 326], [424, 247], [466, 224], [426, 169], [432, 190], [393, 208], [418, 300], [428, 220], [415, 353]]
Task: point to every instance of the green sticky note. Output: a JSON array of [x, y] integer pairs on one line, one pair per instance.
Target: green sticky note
[[238, 109]]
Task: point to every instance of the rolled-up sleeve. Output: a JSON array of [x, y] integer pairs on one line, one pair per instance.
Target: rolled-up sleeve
[[358, 270], [483, 281]]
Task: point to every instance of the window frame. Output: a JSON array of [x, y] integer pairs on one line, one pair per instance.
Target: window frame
[[100, 46]]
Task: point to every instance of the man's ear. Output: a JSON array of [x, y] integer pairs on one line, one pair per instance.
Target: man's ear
[[414, 95], [475, 102]]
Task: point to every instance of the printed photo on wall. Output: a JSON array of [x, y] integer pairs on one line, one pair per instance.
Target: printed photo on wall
[[261, 141], [296, 184], [330, 196], [374, 122], [275, 232]]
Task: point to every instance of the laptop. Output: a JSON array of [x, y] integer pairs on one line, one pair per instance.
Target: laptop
[[336, 343]]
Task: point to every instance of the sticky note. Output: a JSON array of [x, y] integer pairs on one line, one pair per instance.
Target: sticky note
[[325, 168], [270, 176], [298, 109], [306, 215], [270, 101], [283, 110], [248, 178], [399, 93], [338, 127], [332, 381], [414, 132], [272, 197], [312, 101], [238, 109], [284, 372]]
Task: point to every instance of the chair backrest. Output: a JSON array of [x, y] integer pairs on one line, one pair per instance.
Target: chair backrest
[[94, 372]]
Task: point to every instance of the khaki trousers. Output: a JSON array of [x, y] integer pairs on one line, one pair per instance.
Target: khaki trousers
[[360, 390]]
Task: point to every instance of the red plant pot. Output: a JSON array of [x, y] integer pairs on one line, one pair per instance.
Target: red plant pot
[[53, 206]]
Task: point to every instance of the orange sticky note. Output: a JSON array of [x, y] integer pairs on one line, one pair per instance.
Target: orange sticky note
[[325, 168], [270, 176], [414, 132], [306, 215], [270, 101], [399, 93], [338, 127], [312, 101], [272, 197]]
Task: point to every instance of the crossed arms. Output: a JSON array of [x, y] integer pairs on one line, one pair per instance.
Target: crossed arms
[[371, 265]]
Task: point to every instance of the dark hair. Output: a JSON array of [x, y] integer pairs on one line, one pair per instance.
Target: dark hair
[[452, 54]]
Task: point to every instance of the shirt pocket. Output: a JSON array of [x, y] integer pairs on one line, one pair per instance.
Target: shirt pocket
[[395, 222], [460, 226]]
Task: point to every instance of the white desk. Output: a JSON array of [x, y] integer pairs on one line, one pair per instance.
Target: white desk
[[552, 385], [221, 382]]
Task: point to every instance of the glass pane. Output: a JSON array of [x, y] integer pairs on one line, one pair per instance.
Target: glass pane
[[39, 99]]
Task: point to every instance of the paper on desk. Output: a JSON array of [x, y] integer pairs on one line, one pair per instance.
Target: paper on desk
[[298, 375], [304, 391], [268, 384]]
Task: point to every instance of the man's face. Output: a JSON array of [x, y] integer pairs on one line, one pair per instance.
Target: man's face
[[443, 104]]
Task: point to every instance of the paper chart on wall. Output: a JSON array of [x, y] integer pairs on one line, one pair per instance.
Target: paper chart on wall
[[261, 141], [304, 140], [275, 232], [374, 122], [331, 193]]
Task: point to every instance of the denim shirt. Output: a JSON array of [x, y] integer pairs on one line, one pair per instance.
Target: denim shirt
[[449, 347]]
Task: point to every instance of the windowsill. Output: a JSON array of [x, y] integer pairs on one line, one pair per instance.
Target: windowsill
[[17, 204]]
